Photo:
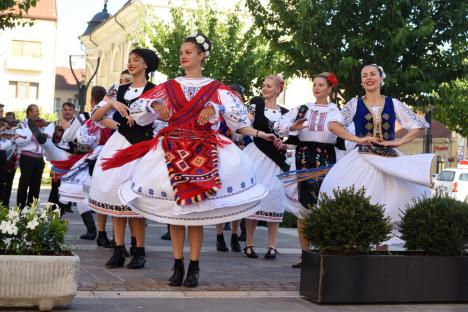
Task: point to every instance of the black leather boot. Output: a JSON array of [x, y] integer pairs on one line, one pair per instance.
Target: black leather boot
[[220, 243], [167, 235], [193, 273], [133, 246], [118, 258], [103, 241], [235, 246], [138, 260], [88, 221], [178, 275]]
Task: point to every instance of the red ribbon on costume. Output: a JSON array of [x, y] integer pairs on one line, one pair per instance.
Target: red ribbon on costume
[[190, 149]]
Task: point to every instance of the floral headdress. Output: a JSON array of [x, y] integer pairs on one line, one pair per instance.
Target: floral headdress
[[332, 80], [203, 42]]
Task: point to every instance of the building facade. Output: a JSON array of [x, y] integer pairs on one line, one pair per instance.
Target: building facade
[[27, 60]]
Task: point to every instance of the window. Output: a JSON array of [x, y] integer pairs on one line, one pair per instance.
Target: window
[[23, 90], [464, 177], [446, 176], [26, 48], [57, 105]]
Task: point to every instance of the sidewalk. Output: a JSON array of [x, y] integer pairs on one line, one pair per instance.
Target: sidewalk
[[228, 281]]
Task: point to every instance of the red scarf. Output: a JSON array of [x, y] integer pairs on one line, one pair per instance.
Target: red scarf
[[190, 149]]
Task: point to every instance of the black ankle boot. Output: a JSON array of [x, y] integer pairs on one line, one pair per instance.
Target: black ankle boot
[[133, 246], [88, 221], [235, 246], [138, 260], [220, 243], [178, 275], [118, 258], [193, 273], [103, 241], [167, 235]]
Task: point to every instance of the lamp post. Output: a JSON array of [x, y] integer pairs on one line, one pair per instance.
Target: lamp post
[[82, 85]]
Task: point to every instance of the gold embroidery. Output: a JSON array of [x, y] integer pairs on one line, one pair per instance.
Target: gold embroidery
[[376, 118]]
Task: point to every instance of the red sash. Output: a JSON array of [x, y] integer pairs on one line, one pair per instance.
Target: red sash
[[190, 149]]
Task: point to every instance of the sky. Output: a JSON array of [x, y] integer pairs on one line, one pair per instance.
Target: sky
[[73, 17]]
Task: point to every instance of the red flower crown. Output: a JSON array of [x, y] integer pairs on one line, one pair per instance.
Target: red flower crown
[[332, 80]]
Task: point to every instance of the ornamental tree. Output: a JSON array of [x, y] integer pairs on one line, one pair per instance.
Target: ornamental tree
[[11, 13], [451, 105], [421, 44], [239, 54]]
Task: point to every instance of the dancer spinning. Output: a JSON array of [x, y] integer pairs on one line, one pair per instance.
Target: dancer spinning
[[190, 175], [390, 178], [103, 196], [315, 142]]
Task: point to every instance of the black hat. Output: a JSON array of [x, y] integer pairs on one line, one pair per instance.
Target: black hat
[[150, 57]]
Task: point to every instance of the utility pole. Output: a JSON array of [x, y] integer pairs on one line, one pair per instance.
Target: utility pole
[[82, 85]]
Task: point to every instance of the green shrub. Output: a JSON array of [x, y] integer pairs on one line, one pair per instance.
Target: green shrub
[[436, 226], [347, 223], [35, 230]]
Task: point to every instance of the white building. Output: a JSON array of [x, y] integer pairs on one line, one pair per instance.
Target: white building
[[109, 39], [27, 60]]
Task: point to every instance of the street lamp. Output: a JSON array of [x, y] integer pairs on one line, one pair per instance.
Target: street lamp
[[82, 85]]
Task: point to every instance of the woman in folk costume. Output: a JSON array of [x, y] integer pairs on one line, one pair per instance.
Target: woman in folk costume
[[315, 142], [268, 162], [389, 177], [75, 183], [103, 197], [189, 175]]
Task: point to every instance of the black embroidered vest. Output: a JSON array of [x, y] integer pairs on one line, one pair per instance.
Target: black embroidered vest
[[261, 123], [135, 133]]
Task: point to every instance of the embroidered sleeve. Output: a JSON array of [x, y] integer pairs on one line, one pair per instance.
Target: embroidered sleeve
[[407, 118], [158, 125], [110, 96], [70, 133], [141, 110], [281, 127], [233, 110], [348, 112], [334, 115], [84, 137]]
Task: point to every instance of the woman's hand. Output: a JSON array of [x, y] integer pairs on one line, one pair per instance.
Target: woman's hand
[[161, 110], [393, 143], [267, 136], [206, 114], [298, 125], [367, 140], [280, 145], [130, 121], [121, 108]]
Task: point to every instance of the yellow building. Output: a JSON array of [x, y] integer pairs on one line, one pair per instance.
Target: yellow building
[[27, 60]]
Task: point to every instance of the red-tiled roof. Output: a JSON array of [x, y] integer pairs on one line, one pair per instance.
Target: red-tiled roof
[[64, 79], [44, 10]]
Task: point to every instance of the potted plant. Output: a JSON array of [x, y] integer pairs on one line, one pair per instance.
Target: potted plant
[[36, 267], [346, 269]]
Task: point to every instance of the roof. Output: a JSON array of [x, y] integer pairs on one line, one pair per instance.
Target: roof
[[438, 131], [97, 19], [44, 10], [64, 79]]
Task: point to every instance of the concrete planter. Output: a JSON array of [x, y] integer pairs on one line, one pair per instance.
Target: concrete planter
[[42, 281]]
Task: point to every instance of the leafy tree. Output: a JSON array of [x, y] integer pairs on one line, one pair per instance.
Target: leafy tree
[[451, 105], [239, 53], [11, 13], [421, 44]]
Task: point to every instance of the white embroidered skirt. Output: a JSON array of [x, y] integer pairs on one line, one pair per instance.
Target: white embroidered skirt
[[150, 193], [392, 181], [274, 204], [103, 193]]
